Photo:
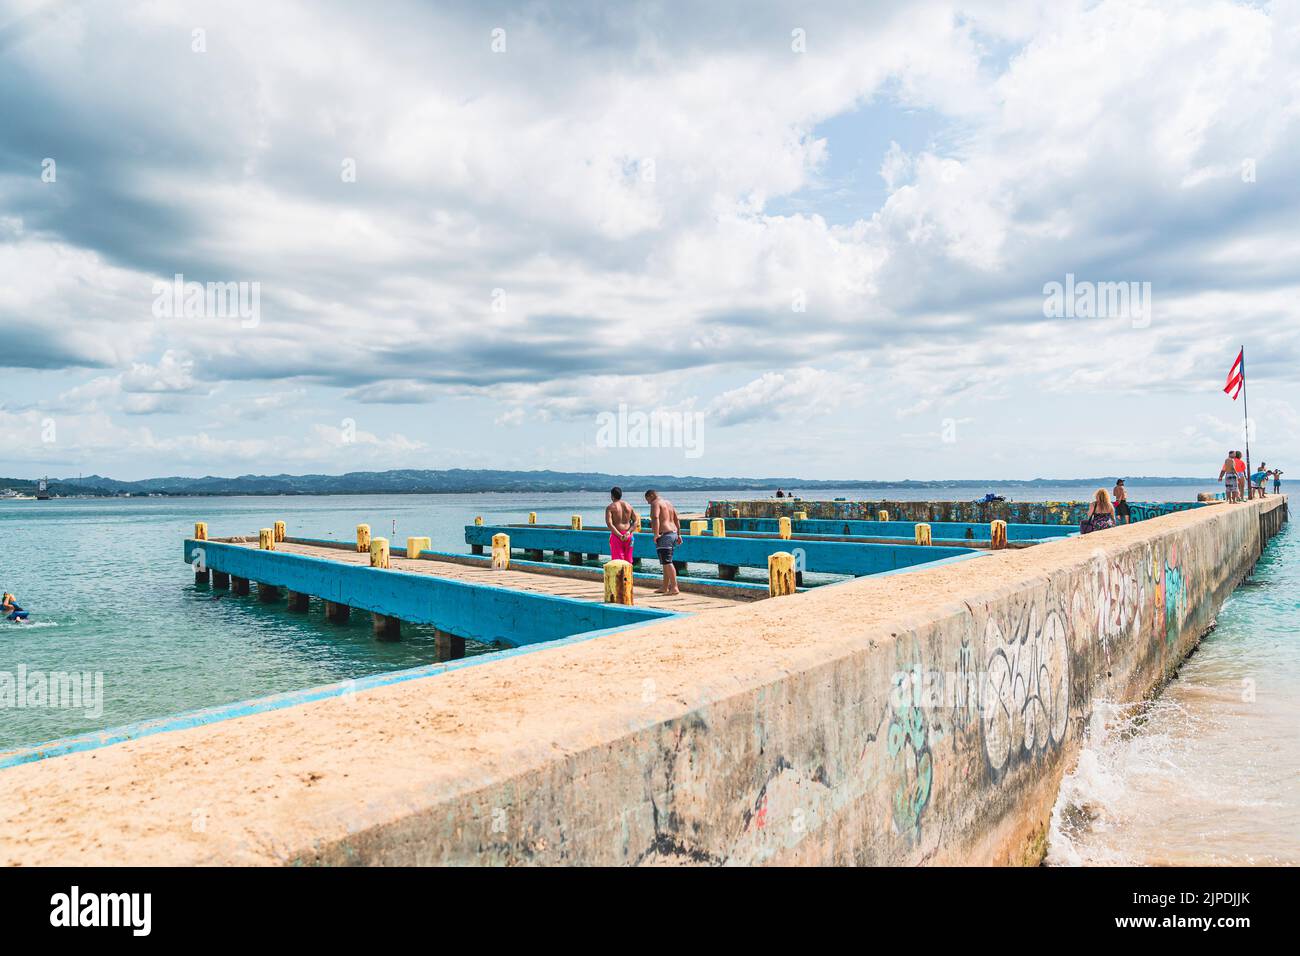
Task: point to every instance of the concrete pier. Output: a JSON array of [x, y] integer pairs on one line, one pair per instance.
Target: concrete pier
[[298, 602], [796, 730], [338, 613], [220, 580], [239, 585], [386, 628]]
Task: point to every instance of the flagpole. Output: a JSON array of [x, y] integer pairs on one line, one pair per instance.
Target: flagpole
[[1245, 417]]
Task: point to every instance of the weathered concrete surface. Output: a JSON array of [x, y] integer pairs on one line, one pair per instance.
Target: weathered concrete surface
[[768, 732], [1029, 512]]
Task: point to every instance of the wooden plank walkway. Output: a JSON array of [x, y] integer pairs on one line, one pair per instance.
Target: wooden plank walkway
[[579, 589]]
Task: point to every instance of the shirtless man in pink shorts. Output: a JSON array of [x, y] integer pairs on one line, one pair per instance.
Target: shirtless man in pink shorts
[[622, 523]]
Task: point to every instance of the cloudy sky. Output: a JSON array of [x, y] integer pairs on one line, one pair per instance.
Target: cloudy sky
[[472, 228]]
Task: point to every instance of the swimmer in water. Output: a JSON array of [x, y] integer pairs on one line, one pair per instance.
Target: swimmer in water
[[10, 610]]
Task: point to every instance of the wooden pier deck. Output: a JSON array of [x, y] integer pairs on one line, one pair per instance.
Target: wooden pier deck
[[559, 584]]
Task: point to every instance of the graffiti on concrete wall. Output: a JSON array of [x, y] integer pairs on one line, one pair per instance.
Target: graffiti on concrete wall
[[1025, 693], [908, 745]]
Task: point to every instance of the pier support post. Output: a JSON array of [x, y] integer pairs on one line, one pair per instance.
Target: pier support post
[[240, 585], [534, 554], [386, 628], [998, 534], [575, 557], [618, 582], [698, 526], [449, 647], [592, 557], [338, 613], [476, 549], [297, 601], [200, 531], [575, 523], [680, 566], [267, 593], [501, 551], [780, 574], [266, 539], [220, 579], [728, 572], [783, 526], [379, 552], [279, 531], [363, 538], [923, 533], [719, 527], [203, 577]]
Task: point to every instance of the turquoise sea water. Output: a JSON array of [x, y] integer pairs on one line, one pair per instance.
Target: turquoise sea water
[[109, 593]]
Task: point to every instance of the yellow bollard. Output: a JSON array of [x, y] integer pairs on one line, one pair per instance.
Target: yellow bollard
[[784, 524], [882, 515], [363, 538], [735, 512], [618, 582], [922, 533], [698, 526], [500, 551], [780, 573], [478, 521], [998, 534], [266, 539], [719, 527], [379, 553], [532, 517], [415, 545], [200, 531], [279, 531], [575, 523], [801, 516]]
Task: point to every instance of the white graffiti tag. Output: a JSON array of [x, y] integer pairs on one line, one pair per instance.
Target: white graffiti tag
[[1025, 695]]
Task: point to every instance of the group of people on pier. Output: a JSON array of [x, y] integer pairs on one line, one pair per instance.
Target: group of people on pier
[[623, 522]]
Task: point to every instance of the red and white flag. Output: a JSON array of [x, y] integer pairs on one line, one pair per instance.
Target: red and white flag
[[1237, 376]]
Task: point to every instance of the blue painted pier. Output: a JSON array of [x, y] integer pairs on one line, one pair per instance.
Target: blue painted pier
[[955, 533], [852, 559]]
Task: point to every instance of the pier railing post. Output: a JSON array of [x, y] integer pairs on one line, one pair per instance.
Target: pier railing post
[[379, 553], [780, 574], [618, 582], [922, 533], [501, 551], [998, 534], [363, 538]]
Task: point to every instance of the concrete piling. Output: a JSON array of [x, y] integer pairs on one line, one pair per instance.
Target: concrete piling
[[618, 582], [240, 585], [501, 551], [575, 557], [338, 613], [728, 572], [379, 553], [780, 574], [203, 577], [385, 628], [998, 534], [363, 538], [267, 593], [220, 579], [298, 602], [923, 533], [448, 647]]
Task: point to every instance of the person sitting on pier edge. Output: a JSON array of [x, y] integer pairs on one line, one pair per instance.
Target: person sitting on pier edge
[[1101, 513], [666, 528], [1120, 494], [10, 609], [621, 521]]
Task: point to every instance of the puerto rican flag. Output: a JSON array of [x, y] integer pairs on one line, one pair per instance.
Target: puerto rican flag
[[1237, 376]]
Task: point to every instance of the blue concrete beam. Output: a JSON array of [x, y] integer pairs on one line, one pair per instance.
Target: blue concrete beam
[[822, 557], [903, 530]]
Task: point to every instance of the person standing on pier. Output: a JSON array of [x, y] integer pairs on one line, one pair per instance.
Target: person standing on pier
[[666, 528], [1240, 464], [1277, 481], [1120, 494], [1228, 475], [622, 521]]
